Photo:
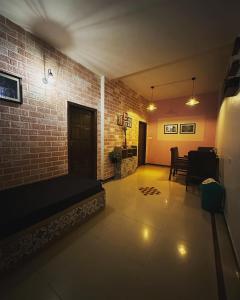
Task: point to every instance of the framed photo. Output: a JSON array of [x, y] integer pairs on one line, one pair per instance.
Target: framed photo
[[170, 128], [129, 122], [189, 128], [120, 120], [10, 88], [125, 116]]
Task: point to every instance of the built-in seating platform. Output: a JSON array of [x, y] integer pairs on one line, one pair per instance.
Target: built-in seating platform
[[34, 214]]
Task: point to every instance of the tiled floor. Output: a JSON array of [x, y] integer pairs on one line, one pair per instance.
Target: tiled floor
[[141, 247]]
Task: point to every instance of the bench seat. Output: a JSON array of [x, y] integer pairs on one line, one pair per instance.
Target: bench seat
[[50, 207], [26, 205]]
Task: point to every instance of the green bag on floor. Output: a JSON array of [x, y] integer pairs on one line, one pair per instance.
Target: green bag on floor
[[212, 196]]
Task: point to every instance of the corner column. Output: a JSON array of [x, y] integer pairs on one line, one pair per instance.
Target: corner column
[[102, 108]]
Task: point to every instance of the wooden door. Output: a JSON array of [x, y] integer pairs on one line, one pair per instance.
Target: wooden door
[[142, 133], [82, 141]]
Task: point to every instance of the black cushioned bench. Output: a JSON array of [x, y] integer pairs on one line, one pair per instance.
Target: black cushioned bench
[[25, 206]]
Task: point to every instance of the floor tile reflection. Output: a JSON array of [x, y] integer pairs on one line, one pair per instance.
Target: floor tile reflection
[[155, 247]]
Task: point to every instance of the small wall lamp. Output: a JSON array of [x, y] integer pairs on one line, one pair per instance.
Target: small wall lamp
[[47, 77]]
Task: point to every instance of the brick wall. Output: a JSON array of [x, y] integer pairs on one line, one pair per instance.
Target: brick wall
[[118, 99], [33, 135]]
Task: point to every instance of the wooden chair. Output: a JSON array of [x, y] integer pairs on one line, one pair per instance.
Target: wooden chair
[[201, 165], [177, 163]]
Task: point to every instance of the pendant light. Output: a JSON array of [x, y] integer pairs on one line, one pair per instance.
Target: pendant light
[[192, 101], [152, 106]]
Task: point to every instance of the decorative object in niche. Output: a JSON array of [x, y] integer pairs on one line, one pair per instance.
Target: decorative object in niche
[[129, 122], [10, 88], [124, 120], [189, 128], [125, 136], [124, 160], [170, 128], [116, 157], [120, 120], [125, 116]]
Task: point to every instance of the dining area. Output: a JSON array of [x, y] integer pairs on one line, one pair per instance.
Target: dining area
[[196, 166]]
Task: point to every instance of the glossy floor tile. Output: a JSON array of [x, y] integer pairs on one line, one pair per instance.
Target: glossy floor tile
[[139, 247], [230, 271]]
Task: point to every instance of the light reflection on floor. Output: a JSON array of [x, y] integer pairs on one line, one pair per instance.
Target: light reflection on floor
[[140, 247]]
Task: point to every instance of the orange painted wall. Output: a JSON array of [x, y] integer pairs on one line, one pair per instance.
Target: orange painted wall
[[175, 111]]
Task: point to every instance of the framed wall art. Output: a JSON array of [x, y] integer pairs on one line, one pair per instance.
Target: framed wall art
[[170, 128], [189, 128], [129, 122], [10, 88], [120, 120]]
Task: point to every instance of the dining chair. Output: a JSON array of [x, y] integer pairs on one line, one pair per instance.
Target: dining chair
[[201, 165], [177, 163], [207, 149]]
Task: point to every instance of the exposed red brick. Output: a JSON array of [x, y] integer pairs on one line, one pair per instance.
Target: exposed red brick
[[33, 135], [2, 19], [15, 41], [3, 35], [9, 117], [8, 30], [4, 123], [3, 66], [14, 26], [12, 170]]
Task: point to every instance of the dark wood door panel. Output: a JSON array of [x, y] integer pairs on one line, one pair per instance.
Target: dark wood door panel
[[82, 140], [142, 143]]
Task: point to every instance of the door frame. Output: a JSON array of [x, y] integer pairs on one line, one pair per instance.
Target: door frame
[[145, 150], [94, 111]]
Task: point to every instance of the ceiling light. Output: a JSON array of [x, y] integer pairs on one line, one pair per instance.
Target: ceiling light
[[182, 250], [151, 106], [145, 234], [192, 101]]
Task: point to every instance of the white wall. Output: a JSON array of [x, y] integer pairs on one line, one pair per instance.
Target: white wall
[[228, 145]]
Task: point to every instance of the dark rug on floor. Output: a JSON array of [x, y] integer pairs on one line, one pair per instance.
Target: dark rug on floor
[[148, 191]]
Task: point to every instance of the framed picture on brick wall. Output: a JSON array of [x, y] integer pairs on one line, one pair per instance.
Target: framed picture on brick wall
[[120, 120], [10, 88], [129, 122]]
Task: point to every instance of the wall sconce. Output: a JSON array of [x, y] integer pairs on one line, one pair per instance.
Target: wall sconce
[[47, 78]]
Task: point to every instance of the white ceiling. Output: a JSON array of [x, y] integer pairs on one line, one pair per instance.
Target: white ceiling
[[144, 42]]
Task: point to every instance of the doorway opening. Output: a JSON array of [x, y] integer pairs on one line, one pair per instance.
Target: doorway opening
[[142, 137], [82, 141]]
